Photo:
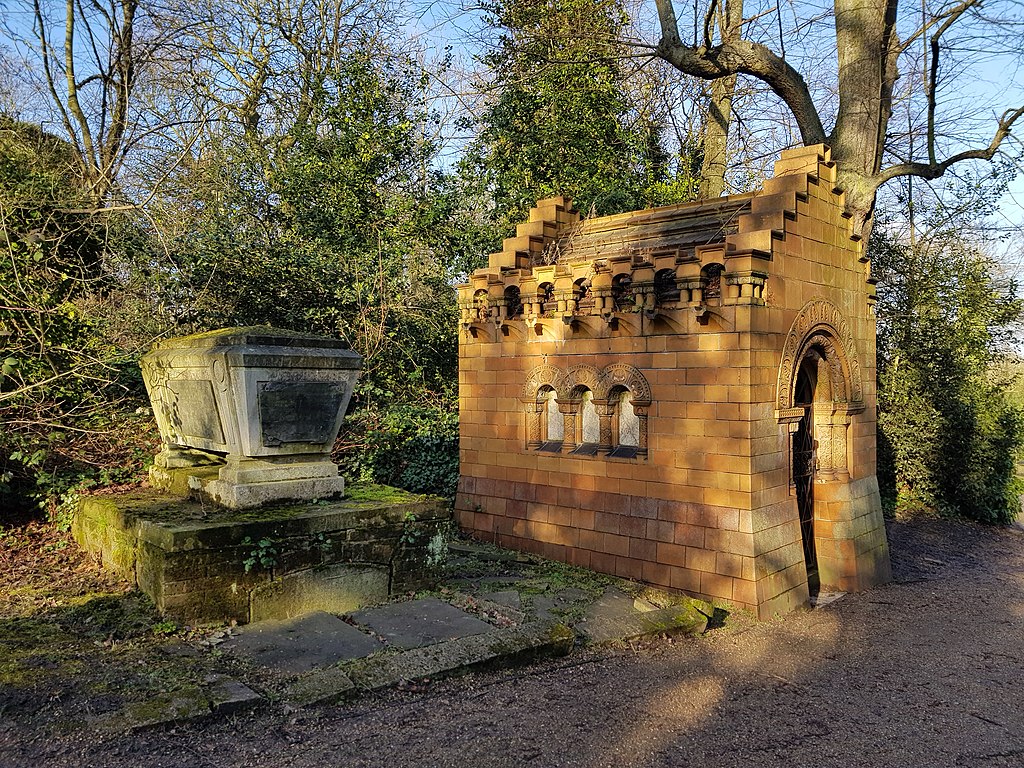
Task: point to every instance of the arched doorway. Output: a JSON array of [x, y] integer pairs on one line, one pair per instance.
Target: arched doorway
[[805, 463]]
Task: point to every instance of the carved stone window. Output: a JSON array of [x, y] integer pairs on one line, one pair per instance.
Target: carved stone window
[[666, 289], [583, 296], [622, 292], [628, 423], [481, 305], [552, 424], [625, 426], [548, 304], [513, 302], [587, 411], [589, 425]]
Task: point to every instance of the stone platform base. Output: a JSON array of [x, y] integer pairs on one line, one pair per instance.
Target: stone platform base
[[245, 483], [205, 564]]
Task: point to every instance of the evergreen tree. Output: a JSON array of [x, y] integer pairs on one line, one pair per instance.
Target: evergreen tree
[[341, 229], [949, 434], [560, 121]]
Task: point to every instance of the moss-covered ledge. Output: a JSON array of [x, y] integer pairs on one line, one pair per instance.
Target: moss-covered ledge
[[202, 563]]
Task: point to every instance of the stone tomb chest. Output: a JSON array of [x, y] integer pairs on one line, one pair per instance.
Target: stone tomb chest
[[248, 418], [259, 405], [683, 395]]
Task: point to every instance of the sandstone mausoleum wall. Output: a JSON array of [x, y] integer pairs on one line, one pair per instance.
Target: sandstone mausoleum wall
[[632, 389]]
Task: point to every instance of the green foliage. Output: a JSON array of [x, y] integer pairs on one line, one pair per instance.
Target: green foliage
[[337, 227], [415, 447], [68, 387], [561, 122], [164, 628], [263, 554], [949, 435]]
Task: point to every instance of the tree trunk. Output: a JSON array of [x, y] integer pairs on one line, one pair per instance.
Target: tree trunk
[[716, 138], [867, 48], [716, 126]]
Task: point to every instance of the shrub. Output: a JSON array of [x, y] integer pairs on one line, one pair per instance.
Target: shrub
[[949, 434], [415, 447]]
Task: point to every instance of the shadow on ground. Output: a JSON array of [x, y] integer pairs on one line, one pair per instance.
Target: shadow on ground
[[925, 671]]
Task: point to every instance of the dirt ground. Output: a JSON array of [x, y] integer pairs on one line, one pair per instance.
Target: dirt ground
[[927, 671]]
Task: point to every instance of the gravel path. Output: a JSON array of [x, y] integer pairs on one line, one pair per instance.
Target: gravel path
[[927, 671]]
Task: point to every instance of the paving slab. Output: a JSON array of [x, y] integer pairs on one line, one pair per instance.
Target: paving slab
[[417, 623], [298, 645], [500, 647], [618, 617], [227, 695], [555, 605], [319, 686], [507, 597], [615, 603]]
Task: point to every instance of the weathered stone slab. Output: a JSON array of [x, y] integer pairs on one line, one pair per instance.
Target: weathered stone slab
[[420, 622], [615, 617], [298, 645], [555, 605], [504, 647], [507, 597], [320, 686], [227, 695], [173, 708], [335, 588]]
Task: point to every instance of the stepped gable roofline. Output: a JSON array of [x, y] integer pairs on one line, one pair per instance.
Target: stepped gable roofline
[[744, 225], [678, 228]]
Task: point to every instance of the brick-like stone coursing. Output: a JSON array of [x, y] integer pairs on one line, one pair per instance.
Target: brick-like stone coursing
[[708, 506]]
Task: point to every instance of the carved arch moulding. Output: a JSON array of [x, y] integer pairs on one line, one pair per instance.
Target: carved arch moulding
[[623, 375], [583, 376], [600, 381], [820, 325], [543, 376]]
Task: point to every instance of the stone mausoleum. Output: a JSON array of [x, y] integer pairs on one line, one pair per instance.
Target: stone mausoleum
[[683, 395]]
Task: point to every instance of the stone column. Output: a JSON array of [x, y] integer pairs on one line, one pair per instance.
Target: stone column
[[533, 410], [568, 409], [840, 429], [640, 409], [821, 415], [605, 410]]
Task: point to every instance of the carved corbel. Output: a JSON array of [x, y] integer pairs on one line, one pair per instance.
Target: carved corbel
[[746, 287]]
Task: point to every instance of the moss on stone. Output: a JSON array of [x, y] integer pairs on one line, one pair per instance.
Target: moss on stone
[[380, 493], [186, 703]]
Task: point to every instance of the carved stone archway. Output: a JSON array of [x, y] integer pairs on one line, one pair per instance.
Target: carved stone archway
[[821, 325], [821, 334]]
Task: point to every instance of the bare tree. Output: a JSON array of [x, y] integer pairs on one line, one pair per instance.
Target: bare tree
[[261, 66], [88, 61], [716, 125], [869, 51]]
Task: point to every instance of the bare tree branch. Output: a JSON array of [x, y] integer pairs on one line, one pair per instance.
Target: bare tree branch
[[934, 170], [741, 57]]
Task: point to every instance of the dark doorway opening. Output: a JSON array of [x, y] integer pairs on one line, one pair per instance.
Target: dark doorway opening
[[804, 461]]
